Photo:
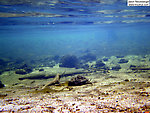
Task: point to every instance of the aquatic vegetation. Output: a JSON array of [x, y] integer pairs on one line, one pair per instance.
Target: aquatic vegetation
[[69, 61]]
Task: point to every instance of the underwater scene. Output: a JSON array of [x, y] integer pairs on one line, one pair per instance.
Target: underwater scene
[[74, 56]]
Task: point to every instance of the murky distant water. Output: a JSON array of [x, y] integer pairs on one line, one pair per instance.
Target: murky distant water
[[31, 28]]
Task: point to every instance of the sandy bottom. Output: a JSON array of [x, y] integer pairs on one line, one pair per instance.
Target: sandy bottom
[[113, 92]]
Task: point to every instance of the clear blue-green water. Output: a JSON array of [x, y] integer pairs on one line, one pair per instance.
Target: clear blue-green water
[[30, 28]]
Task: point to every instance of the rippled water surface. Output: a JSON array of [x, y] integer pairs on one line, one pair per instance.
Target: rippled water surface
[[43, 27], [71, 12]]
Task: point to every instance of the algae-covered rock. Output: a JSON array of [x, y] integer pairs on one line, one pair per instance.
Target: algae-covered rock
[[78, 81], [51, 72]]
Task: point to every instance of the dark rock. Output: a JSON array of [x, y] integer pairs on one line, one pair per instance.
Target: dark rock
[[2, 62], [99, 63], [85, 66], [1, 85], [119, 56], [123, 61], [56, 58], [116, 68], [19, 61], [1, 72], [105, 68], [147, 15], [28, 70], [23, 66], [41, 69], [126, 80], [51, 64], [79, 80], [141, 68], [88, 57], [32, 61], [20, 71], [105, 59], [70, 61], [3, 95], [47, 58], [132, 66], [15, 84]]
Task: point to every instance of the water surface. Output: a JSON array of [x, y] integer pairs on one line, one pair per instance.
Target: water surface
[[30, 28]]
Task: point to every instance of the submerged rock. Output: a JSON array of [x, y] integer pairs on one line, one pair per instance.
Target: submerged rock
[[99, 63], [105, 59], [119, 56], [69, 61], [1, 72], [140, 68], [85, 66], [78, 81], [28, 70], [20, 71], [2, 62], [116, 68], [51, 72], [25, 67], [1, 85], [132, 66], [123, 61], [41, 69], [88, 57], [56, 58]]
